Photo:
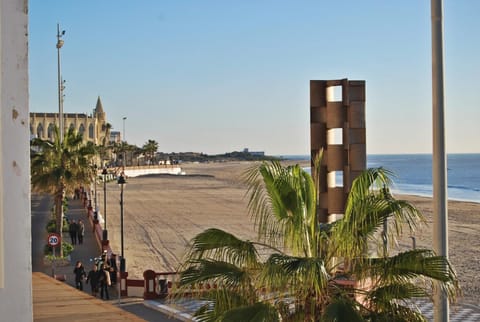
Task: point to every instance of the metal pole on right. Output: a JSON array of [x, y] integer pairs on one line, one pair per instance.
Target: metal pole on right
[[105, 231], [60, 83], [121, 221], [124, 145], [121, 183], [95, 185], [439, 159]]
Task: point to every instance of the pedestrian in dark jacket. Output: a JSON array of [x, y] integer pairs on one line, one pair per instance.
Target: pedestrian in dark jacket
[[113, 268], [92, 278], [80, 274], [104, 280], [72, 229]]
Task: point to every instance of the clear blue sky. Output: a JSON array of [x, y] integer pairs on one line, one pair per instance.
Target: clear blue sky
[[220, 76]]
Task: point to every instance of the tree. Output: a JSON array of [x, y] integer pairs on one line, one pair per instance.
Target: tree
[[303, 270], [60, 167], [106, 147], [150, 148]]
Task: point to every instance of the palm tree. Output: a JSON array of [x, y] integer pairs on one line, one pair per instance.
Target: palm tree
[[303, 270], [150, 148], [106, 146], [59, 167]]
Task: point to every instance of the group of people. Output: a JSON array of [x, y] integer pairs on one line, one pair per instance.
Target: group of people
[[77, 231], [102, 275]]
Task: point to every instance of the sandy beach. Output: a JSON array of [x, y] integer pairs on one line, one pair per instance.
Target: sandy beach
[[162, 213]]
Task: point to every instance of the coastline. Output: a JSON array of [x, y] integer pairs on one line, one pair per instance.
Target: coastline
[[162, 213]]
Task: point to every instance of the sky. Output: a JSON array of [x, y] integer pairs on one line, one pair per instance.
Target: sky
[[220, 76]]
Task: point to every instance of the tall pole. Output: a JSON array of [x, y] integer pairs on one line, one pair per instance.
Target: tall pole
[[124, 141], [121, 286], [439, 159], [121, 182], [95, 183], [105, 233], [60, 82], [121, 219]]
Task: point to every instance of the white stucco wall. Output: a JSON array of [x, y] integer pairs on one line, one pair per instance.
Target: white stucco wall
[[141, 171], [15, 232]]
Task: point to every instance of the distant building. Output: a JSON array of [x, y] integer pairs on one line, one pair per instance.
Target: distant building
[[115, 137], [254, 153], [93, 127]]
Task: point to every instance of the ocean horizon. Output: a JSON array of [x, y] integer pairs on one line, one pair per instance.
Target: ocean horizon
[[413, 173]]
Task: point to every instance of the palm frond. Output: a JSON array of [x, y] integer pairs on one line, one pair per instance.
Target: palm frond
[[303, 274], [368, 180], [342, 309], [394, 292], [220, 245], [282, 201], [257, 312], [216, 272], [217, 302], [369, 206], [414, 265], [396, 313]]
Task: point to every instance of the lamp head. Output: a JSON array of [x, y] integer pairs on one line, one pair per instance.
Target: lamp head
[[104, 172]]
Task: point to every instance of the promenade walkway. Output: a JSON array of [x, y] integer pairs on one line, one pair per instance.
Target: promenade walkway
[[60, 301]]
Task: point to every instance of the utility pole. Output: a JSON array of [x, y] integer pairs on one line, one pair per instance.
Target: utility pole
[[124, 146], [439, 158], [61, 87]]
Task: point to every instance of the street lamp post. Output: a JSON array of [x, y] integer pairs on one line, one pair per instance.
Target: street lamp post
[[122, 274], [60, 82], [121, 183], [124, 141], [105, 232], [95, 185]]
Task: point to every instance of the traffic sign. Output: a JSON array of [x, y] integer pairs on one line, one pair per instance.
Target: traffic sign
[[54, 239]]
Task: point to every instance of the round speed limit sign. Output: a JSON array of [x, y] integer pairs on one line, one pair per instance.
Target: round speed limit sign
[[53, 239]]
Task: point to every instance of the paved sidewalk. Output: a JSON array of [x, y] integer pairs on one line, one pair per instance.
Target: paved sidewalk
[[85, 252]]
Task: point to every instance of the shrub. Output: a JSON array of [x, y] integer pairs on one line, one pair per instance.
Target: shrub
[[67, 249], [52, 225]]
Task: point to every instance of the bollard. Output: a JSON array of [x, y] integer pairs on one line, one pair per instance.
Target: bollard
[[149, 285]]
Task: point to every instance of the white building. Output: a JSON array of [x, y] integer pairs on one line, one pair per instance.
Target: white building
[[15, 218]]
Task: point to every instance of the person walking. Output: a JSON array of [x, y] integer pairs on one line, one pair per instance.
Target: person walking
[[72, 229], [113, 268], [80, 231], [92, 278], [105, 282], [80, 274]]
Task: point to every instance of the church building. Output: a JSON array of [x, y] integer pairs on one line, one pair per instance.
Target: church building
[[93, 127]]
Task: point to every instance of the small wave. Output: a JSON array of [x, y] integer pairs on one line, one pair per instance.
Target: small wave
[[463, 188]]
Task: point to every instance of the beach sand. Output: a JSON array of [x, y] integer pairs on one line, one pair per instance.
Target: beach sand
[[162, 213]]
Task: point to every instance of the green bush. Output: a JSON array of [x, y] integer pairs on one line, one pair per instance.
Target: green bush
[[67, 249], [52, 225]]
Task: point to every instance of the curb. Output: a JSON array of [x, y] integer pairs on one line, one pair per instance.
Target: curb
[[170, 311]]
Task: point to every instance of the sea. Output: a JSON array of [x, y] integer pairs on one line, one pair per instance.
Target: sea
[[413, 173]]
